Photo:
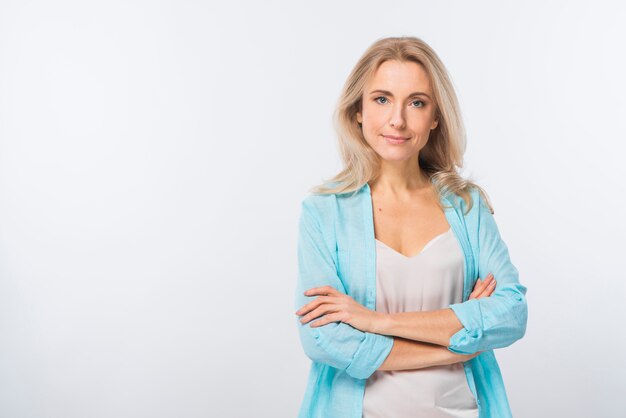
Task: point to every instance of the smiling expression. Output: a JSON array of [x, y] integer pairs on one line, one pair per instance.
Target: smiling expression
[[398, 110]]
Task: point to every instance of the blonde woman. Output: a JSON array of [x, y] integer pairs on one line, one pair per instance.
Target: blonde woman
[[398, 255]]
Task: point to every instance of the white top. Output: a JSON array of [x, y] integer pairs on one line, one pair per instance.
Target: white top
[[430, 280]]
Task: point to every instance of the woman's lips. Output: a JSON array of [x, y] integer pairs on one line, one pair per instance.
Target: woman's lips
[[394, 139]]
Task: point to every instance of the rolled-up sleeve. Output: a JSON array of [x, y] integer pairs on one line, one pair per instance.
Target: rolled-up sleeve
[[336, 344], [498, 320]]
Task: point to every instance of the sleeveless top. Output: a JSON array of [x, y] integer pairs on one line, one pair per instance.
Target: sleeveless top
[[430, 280]]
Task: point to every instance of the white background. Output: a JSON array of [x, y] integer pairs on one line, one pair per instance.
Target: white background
[[154, 154]]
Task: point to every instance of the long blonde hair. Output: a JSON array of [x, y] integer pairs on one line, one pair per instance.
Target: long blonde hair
[[441, 157]]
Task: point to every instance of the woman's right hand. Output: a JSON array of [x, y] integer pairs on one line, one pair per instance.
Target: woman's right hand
[[483, 289]]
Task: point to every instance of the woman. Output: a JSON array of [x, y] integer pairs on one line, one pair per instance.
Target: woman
[[391, 307]]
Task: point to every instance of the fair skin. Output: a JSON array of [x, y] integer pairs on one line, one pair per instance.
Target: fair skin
[[396, 123]]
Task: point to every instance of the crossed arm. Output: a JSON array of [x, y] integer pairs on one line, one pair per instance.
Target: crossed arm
[[420, 338]]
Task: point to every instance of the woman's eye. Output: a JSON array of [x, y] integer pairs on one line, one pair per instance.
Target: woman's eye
[[383, 100]]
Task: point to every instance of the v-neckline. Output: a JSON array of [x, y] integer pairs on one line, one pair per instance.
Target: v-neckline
[[424, 248]]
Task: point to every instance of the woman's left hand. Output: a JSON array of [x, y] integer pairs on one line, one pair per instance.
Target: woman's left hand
[[336, 306]]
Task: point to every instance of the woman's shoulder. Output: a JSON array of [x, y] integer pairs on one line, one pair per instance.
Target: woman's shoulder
[[469, 204], [318, 202]]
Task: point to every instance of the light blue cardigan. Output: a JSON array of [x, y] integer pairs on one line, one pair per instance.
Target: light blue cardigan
[[336, 247]]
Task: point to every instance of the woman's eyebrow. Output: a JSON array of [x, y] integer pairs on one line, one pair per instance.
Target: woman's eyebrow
[[388, 93]]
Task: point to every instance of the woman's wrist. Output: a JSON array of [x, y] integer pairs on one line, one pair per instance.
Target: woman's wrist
[[380, 323]]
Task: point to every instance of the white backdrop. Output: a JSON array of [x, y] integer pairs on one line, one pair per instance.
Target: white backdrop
[[153, 157]]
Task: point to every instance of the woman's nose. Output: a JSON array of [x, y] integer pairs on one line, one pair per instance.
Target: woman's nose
[[397, 119]]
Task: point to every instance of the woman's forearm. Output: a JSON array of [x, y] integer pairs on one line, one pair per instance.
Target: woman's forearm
[[434, 327], [408, 354]]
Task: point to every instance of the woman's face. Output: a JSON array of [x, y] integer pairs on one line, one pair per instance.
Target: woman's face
[[398, 111]]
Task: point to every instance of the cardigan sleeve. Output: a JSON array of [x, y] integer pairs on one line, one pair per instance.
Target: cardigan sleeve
[[498, 320], [336, 344]]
